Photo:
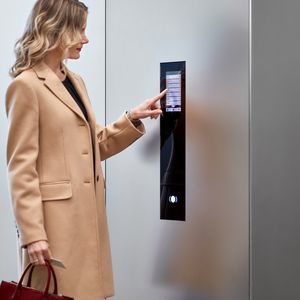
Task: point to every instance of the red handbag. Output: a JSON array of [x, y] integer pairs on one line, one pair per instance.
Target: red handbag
[[16, 291]]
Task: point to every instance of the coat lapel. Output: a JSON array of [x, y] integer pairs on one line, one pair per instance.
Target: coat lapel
[[80, 88], [84, 97], [52, 82], [86, 102]]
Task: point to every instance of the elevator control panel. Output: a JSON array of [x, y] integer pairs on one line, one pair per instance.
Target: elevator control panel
[[172, 141]]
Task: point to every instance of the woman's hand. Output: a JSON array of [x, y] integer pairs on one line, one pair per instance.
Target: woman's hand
[[149, 108], [38, 252]]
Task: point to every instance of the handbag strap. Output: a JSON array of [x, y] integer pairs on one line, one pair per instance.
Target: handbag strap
[[52, 272], [46, 291]]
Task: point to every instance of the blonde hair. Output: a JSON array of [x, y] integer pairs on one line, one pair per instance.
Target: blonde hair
[[51, 24]]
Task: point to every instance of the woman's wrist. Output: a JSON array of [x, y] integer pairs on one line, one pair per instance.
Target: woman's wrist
[[131, 117]]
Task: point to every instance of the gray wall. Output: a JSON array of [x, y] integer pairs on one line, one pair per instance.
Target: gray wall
[[205, 257], [275, 149], [13, 28], [91, 67]]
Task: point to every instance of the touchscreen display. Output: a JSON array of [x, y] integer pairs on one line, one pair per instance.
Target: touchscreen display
[[173, 97]]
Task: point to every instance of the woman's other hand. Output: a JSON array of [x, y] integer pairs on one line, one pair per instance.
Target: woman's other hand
[[150, 108], [38, 252]]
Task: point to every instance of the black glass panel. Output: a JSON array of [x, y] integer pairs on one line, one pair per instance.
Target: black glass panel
[[172, 142]]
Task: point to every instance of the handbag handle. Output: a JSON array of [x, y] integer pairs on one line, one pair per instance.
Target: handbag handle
[[52, 272], [46, 291]]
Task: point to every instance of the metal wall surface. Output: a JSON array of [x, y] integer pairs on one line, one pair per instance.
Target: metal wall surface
[[8, 236], [275, 149], [206, 257]]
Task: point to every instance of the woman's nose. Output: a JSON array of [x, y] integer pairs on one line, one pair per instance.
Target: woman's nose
[[85, 40]]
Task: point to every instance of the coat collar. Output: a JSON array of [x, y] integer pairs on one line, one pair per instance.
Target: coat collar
[[52, 82]]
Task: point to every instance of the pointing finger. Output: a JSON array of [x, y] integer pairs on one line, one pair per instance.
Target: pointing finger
[[159, 96], [154, 113]]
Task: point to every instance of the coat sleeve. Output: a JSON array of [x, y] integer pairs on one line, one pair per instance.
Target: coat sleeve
[[22, 152], [117, 136]]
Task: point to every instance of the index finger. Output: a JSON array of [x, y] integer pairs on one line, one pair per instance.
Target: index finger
[[159, 96]]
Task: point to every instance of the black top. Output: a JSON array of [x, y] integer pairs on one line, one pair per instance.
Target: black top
[[70, 87]]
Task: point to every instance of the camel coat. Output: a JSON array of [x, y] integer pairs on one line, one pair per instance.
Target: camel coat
[[56, 182]]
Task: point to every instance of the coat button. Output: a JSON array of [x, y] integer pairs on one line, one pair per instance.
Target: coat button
[[97, 177]]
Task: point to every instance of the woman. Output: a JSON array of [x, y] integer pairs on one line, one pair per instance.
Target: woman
[[54, 151]]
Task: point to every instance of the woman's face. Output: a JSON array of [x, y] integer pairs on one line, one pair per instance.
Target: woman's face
[[74, 52]]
